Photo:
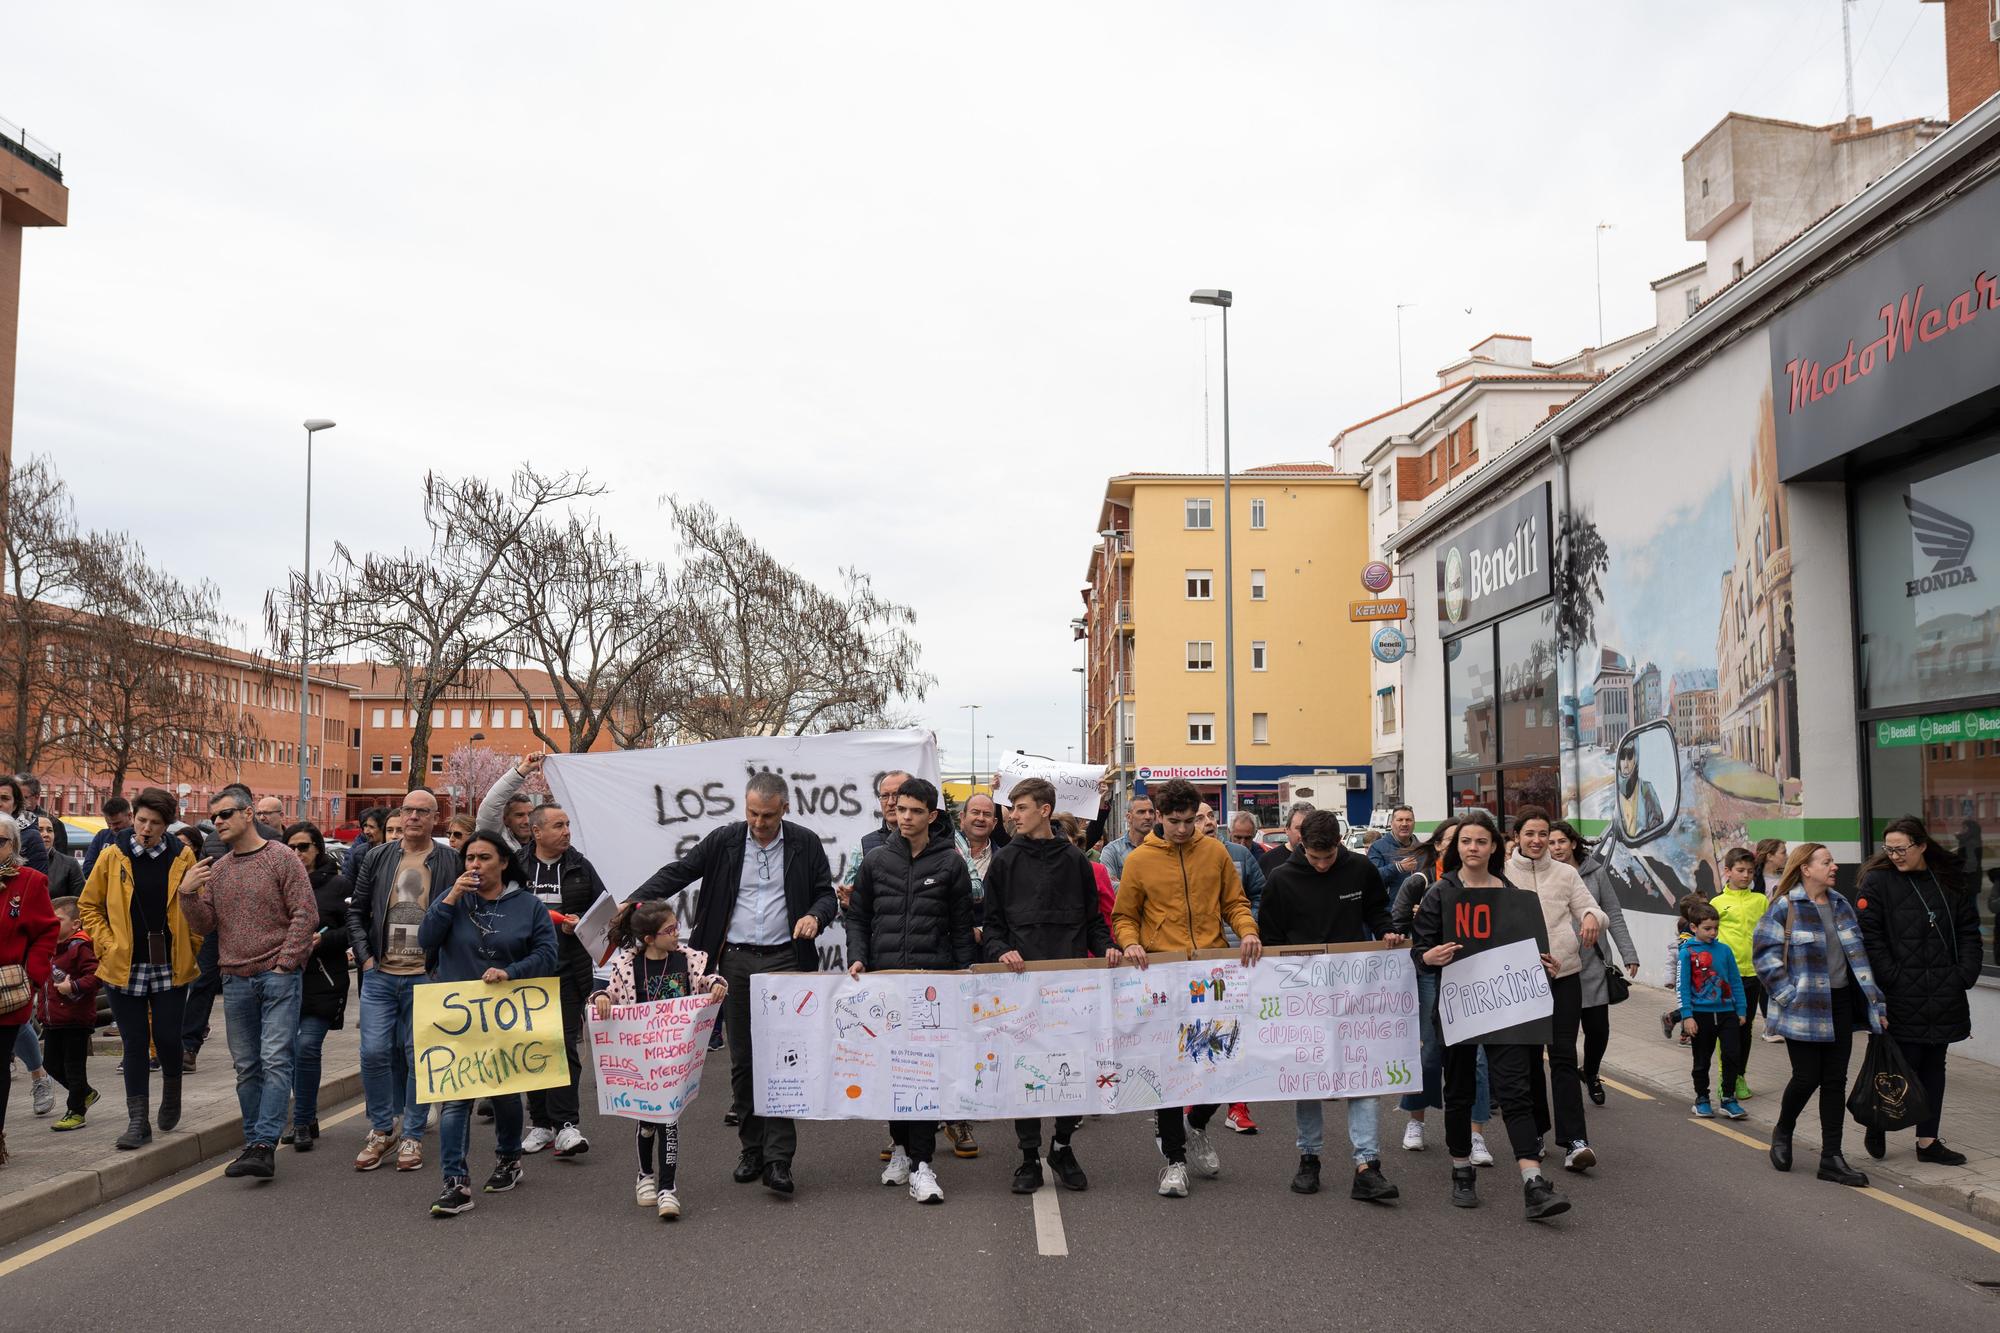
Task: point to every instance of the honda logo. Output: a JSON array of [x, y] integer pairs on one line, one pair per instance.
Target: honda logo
[[1944, 538]]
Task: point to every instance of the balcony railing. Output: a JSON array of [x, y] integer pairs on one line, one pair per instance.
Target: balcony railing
[[1121, 683], [30, 149], [1122, 613]]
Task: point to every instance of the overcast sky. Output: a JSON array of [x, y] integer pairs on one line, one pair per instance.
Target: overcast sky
[[897, 286]]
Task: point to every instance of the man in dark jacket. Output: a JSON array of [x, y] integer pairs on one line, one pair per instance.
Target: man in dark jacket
[[886, 788], [1396, 854], [567, 883], [767, 892], [912, 909], [1041, 903], [1326, 894]]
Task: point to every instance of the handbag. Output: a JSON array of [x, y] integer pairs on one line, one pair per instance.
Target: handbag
[[1617, 984], [1886, 1093], [15, 991]]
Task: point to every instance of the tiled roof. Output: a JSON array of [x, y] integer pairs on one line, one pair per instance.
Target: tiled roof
[[1291, 469]]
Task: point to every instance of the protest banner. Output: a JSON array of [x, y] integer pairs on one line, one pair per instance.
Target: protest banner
[[477, 1039], [1075, 784], [1495, 989], [1084, 1039], [633, 811], [648, 1057]]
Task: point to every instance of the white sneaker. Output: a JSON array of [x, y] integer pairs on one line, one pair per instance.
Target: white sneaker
[[1201, 1154], [537, 1139], [1580, 1157], [897, 1172], [44, 1095], [1413, 1136], [670, 1205], [1173, 1181], [570, 1142], [647, 1191], [1480, 1155], [923, 1184]]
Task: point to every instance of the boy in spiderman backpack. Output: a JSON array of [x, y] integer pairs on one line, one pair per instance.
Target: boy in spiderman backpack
[[1712, 1008]]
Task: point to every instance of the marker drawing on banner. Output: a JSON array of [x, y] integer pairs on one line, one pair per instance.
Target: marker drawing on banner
[[474, 1039], [1076, 784], [648, 1057], [1498, 988]]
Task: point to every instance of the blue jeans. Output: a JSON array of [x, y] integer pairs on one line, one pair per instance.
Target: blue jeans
[[1364, 1114], [455, 1129], [305, 1069], [263, 1017], [28, 1048], [386, 1006], [1432, 1096]]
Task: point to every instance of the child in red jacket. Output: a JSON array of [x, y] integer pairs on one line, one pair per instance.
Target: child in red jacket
[[68, 1010]]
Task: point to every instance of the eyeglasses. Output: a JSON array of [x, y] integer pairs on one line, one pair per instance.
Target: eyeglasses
[[411, 810], [302, 847], [1899, 849], [227, 812]]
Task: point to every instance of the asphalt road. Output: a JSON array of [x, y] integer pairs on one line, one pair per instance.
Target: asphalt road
[[1682, 1226]]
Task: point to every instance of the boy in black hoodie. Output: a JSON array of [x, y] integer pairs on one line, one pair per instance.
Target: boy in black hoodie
[[1325, 894], [1041, 903]]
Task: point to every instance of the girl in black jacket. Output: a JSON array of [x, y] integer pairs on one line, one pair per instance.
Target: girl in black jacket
[[323, 1003], [1922, 931]]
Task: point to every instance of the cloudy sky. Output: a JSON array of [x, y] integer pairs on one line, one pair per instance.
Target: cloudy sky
[[895, 285]]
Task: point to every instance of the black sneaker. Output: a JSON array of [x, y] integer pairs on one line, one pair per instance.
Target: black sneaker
[[305, 1136], [241, 1166], [1371, 1187], [456, 1199], [1306, 1179], [1937, 1154], [483, 1109], [732, 1118], [1062, 1161], [257, 1162], [1542, 1199], [1877, 1144], [505, 1176], [1595, 1087], [1465, 1187], [748, 1167], [1028, 1175]]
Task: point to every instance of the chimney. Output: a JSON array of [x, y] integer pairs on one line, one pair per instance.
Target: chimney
[[1971, 53]]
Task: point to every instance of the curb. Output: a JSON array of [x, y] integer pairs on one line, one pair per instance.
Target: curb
[[1981, 1202], [62, 1197]]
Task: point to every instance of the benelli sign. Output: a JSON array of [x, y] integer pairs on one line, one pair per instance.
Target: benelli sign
[[1496, 565]]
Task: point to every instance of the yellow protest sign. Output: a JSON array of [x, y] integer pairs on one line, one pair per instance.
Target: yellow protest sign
[[475, 1039]]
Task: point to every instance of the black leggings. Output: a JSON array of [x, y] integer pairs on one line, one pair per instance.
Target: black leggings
[[1927, 1063], [1596, 1037], [165, 1010], [667, 1139], [1821, 1066], [1509, 1070], [1173, 1128]]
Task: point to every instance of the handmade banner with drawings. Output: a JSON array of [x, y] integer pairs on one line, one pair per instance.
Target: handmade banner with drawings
[[648, 1057], [1085, 1039]]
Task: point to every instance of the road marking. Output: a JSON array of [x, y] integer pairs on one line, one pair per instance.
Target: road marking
[[131, 1210], [1625, 1088], [1049, 1238], [1882, 1196]]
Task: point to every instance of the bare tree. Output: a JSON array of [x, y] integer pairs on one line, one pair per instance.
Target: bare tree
[[432, 616], [48, 569]]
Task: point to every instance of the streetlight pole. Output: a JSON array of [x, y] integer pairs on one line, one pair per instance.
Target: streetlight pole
[[972, 753], [313, 426], [1598, 235], [1217, 297]]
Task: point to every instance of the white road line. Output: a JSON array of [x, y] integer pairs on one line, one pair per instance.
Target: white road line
[[1049, 1237]]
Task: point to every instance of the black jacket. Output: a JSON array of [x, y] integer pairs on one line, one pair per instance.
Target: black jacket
[[577, 886], [717, 861], [907, 913], [1041, 898], [324, 983], [368, 901], [1345, 905], [1922, 933]]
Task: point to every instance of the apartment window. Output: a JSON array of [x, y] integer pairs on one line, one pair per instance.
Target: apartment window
[[458, 717], [437, 763], [1260, 728], [1693, 300], [476, 722], [1200, 514], [437, 717], [396, 717], [513, 717], [1736, 269], [1200, 585], [1384, 491], [1256, 513], [374, 763], [395, 763], [1201, 728], [380, 718], [1257, 655], [1256, 585], [1201, 654], [1388, 700]]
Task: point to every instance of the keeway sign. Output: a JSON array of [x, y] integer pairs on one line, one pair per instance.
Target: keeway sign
[[1495, 565], [1907, 332], [1389, 608]]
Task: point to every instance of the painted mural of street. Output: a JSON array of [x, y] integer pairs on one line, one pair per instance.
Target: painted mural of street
[[1726, 792]]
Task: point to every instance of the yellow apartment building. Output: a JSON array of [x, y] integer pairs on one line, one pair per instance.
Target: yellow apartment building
[[1153, 613]]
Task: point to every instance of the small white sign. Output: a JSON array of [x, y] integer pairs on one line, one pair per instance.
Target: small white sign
[[1493, 989]]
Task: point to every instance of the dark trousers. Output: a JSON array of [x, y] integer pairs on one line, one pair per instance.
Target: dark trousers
[[1028, 1133], [1509, 1072], [1174, 1126], [1596, 1022], [1926, 1061], [918, 1138], [1710, 1029], [158, 1016], [200, 1001], [8, 1032], [1753, 1003], [66, 1055], [1821, 1066], [549, 1108], [1564, 1087], [773, 1137]]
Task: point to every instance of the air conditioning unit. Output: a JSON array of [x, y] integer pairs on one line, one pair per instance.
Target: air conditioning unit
[[1354, 781]]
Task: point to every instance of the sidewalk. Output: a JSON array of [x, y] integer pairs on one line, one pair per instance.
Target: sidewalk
[[1971, 1121], [50, 1176]]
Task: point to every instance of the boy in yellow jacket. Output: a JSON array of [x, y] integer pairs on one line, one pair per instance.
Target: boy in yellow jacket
[[1739, 907], [1177, 890]]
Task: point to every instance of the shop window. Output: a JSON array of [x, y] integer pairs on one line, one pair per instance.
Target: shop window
[[1201, 728], [1472, 733], [1527, 688], [1954, 789]]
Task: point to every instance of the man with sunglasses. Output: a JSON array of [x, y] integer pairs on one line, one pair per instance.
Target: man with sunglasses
[[393, 886], [208, 982], [259, 905]]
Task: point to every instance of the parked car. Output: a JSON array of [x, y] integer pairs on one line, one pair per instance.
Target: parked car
[[1361, 839]]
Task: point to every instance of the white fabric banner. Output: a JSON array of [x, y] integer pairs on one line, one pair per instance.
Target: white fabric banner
[[648, 1057], [1493, 989], [1075, 784], [1082, 1040]]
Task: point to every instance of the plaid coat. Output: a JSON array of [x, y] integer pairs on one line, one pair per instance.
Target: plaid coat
[[1790, 953]]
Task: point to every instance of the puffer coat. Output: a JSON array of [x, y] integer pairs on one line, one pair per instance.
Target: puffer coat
[[912, 912], [1922, 933]]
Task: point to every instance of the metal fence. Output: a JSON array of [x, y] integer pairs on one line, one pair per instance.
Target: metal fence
[[25, 145]]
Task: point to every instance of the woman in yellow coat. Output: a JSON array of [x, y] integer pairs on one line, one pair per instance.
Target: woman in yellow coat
[[131, 910]]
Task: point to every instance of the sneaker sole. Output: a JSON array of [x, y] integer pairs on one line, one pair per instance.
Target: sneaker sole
[[577, 1151], [1583, 1163], [500, 1189], [673, 1216], [437, 1210], [964, 1154], [1553, 1208]]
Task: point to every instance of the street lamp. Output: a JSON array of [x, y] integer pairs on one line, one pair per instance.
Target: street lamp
[[313, 426], [1215, 297], [972, 755], [989, 752]]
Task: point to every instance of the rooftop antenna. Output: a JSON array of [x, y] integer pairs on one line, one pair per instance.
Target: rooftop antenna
[[1603, 227], [1847, 55]]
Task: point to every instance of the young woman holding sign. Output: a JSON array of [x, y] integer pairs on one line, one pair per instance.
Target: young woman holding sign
[[486, 928], [1468, 869]]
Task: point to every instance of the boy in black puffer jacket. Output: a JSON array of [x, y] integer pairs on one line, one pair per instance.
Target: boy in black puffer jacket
[[912, 909]]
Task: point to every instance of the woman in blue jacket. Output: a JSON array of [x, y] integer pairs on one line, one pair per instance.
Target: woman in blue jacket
[[488, 928]]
